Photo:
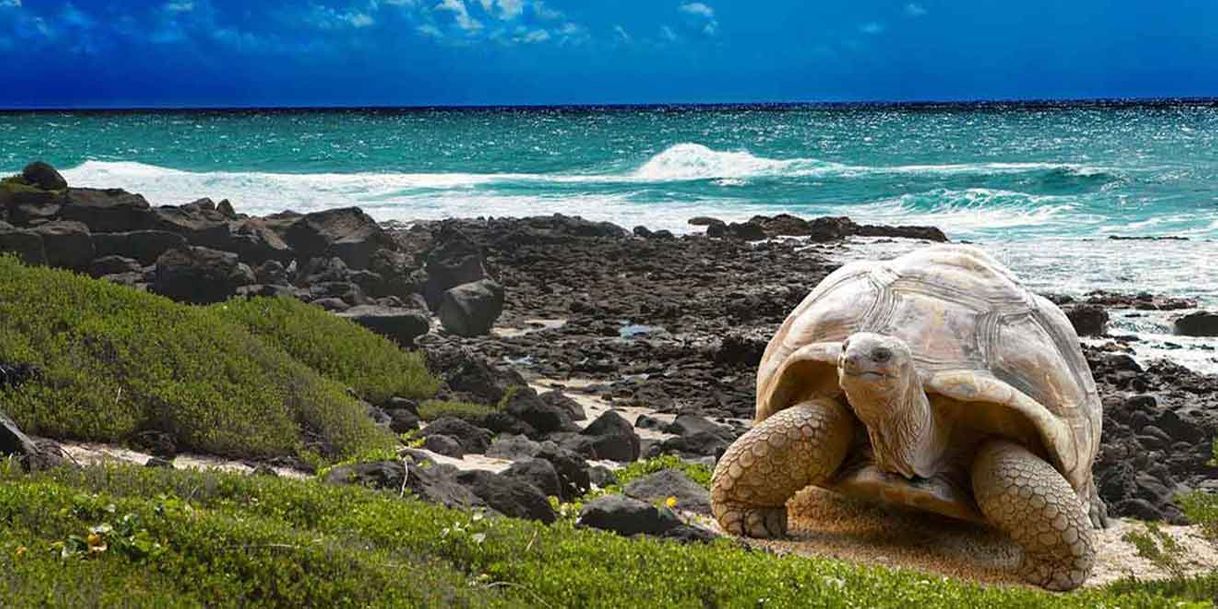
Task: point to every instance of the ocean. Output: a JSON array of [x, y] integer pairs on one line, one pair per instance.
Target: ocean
[[1042, 186]]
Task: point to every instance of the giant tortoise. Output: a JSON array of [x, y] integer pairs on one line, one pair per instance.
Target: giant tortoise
[[932, 381]]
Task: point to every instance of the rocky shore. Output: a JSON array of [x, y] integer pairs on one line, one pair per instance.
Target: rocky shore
[[668, 326]]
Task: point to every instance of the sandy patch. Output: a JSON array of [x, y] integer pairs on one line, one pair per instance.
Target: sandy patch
[[86, 453], [595, 406], [826, 524]]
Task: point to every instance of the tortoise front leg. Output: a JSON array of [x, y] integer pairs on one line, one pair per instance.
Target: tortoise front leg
[[1031, 502], [798, 446]]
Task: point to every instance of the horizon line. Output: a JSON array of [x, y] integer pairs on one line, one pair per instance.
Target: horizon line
[[914, 104]]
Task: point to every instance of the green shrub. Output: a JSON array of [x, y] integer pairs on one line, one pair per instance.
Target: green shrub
[[337, 348], [116, 360], [434, 409], [227, 540]]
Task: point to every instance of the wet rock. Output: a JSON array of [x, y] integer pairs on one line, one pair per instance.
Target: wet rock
[[199, 275], [1088, 319], [573, 471], [613, 438], [402, 326], [627, 516], [1198, 323], [658, 487], [471, 309]]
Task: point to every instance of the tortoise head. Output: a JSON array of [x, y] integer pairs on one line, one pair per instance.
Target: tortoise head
[[875, 371]]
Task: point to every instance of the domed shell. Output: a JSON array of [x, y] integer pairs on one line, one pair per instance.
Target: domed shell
[[976, 334]]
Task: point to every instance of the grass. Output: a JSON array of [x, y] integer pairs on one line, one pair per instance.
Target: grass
[[16, 184], [338, 349], [116, 361], [431, 410], [183, 538]]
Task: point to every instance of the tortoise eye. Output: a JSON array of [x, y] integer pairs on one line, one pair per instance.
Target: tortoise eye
[[845, 344], [881, 354]]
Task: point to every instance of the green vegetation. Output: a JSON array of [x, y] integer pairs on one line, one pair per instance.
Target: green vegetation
[[116, 361], [17, 184], [338, 349], [149, 537], [1156, 546], [697, 472], [434, 409]]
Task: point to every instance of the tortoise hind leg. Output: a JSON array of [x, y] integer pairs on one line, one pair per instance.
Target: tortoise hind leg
[[800, 445], [1031, 502]]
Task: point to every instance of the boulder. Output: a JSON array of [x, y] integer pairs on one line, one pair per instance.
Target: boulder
[[444, 445], [400, 325], [1088, 319], [613, 438], [143, 245], [255, 243], [113, 266], [26, 244], [347, 233], [658, 487], [68, 244], [199, 223], [434, 484], [575, 411], [746, 231], [29, 207], [701, 443], [705, 221], [573, 471], [402, 420], [626, 516], [14, 443], [470, 309], [110, 210], [538, 472], [199, 275], [525, 405], [688, 424], [513, 447], [508, 495], [44, 176], [454, 260], [473, 439], [1198, 323]]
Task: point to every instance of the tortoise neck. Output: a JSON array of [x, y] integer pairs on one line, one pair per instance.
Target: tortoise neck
[[905, 436]]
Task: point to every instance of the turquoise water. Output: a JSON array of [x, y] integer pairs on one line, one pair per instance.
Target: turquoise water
[[1042, 186]]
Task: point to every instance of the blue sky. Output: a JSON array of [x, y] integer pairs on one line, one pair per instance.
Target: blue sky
[[95, 53]]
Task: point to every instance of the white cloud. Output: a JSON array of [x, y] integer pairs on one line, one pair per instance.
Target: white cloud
[[667, 33], [698, 8], [460, 13], [179, 6], [430, 31], [360, 20], [700, 11], [544, 12], [871, 28], [621, 33], [533, 37], [510, 9], [10, 3], [915, 10]]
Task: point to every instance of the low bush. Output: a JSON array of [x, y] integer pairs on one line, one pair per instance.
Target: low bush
[[114, 361], [335, 347], [227, 540], [431, 410]]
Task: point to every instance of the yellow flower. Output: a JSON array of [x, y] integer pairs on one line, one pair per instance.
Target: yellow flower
[[20, 551], [95, 542], [671, 502]]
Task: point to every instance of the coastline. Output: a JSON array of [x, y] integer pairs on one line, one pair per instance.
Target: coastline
[[665, 329]]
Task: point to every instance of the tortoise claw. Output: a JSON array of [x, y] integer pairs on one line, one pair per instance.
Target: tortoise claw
[[757, 522]]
